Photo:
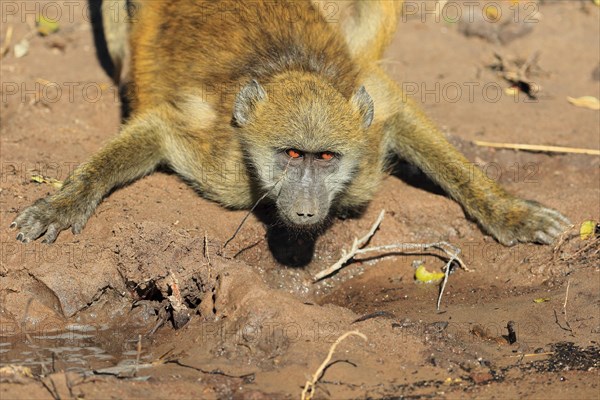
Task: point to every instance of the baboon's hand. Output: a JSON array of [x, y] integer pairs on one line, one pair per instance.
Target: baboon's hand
[[46, 218], [527, 221]]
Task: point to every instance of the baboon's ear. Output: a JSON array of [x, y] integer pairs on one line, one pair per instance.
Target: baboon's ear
[[246, 101], [364, 104]]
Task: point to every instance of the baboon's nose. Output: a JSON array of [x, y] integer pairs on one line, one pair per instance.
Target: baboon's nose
[[305, 211]]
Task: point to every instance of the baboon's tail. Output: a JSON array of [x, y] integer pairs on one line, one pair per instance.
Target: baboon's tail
[[115, 17], [369, 25]]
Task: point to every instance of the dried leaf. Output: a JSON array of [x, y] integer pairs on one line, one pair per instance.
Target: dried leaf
[[422, 275], [587, 229], [15, 371], [590, 102], [21, 48], [46, 26], [492, 14], [50, 181]]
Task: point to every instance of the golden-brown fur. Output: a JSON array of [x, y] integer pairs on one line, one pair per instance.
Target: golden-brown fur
[[220, 91]]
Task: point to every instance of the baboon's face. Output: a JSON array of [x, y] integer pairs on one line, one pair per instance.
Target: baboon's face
[[309, 185], [304, 141]]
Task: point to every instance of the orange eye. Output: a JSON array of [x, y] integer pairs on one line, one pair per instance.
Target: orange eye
[[293, 153], [326, 155]]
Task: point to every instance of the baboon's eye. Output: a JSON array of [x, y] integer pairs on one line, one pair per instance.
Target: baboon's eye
[[293, 153], [326, 155]]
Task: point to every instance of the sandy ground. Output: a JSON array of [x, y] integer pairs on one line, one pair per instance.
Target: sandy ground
[[259, 327]]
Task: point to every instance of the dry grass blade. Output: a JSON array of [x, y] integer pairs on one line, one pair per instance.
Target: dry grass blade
[[6, 43], [261, 198], [309, 388], [537, 148]]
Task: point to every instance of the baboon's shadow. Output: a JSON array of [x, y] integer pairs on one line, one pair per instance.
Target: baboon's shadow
[[292, 248]]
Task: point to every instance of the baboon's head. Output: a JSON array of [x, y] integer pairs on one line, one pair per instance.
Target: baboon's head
[[304, 140]]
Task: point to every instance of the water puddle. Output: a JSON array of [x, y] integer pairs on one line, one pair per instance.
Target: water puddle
[[79, 348]]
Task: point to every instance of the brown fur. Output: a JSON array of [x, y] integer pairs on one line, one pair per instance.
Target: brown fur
[[191, 64]]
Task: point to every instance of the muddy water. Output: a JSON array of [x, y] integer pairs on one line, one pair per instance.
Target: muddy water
[[79, 348]]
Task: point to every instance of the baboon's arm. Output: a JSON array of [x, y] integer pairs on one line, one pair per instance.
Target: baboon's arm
[[413, 137], [134, 153]]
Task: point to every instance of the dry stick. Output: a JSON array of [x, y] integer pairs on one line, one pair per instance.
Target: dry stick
[[255, 205], [565, 306], [51, 389], [592, 243], [561, 241], [548, 353], [356, 250], [566, 296], [535, 147], [6, 44], [453, 253], [309, 387], [447, 275], [353, 251], [207, 255], [206, 252], [400, 246]]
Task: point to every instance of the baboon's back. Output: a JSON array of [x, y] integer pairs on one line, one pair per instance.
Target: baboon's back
[[208, 45]]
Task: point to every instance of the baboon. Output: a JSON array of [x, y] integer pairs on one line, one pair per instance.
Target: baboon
[[269, 99]]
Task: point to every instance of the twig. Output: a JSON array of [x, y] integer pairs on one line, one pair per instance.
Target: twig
[[371, 232], [207, 255], [206, 252], [403, 247], [535, 147], [548, 353], [309, 387], [565, 307], [452, 251], [568, 326], [255, 205], [6, 43], [558, 322], [356, 245], [248, 378], [51, 389], [453, 257], [562, 239], [594, 243], [566, 296]]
